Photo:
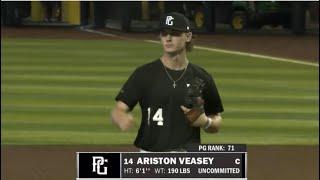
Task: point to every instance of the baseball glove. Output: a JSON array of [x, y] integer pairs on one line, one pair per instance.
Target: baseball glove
[[194, 101]]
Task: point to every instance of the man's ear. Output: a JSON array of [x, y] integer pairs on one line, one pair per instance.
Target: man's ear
[[189, 36]]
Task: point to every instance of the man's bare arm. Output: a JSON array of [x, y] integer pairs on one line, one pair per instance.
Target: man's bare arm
[[210, 124], [216, 120], [121, 116]]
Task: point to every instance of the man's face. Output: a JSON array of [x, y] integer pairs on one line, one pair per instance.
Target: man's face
[[174, 41]]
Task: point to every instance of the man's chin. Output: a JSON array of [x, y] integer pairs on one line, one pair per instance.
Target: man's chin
[[171, 51], [174, 52]]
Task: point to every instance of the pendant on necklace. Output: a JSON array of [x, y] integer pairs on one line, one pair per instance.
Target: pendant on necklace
[[174, 85]]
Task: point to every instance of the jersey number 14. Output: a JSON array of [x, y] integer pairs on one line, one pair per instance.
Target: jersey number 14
[[156, 117]]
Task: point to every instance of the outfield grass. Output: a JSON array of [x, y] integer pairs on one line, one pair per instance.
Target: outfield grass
[[61, 92]]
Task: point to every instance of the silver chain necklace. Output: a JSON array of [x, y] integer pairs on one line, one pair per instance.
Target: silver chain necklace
[[174, 81]]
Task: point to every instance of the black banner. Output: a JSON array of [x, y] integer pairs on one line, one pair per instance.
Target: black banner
[[206, 161]]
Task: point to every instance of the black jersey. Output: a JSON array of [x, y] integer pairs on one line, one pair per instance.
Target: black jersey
[[163, 126]]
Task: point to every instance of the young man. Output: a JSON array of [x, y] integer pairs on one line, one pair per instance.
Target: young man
[[177, 98]]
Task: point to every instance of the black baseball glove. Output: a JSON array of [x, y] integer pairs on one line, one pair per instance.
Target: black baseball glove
[[193, 100]]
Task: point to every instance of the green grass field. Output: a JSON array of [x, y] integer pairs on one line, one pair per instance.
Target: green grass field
[[61, 92]]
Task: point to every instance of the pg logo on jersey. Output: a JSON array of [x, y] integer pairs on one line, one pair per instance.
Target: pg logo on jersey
[[169, 20]]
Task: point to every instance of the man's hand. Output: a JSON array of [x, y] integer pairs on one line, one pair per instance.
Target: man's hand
[[196, 117]]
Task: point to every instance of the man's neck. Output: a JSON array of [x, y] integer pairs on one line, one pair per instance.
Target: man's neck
[[174, 62]]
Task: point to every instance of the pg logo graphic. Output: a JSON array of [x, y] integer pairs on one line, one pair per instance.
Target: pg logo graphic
[[98, 163], [169, 20]]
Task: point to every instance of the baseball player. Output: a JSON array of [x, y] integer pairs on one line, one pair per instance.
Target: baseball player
[[177, 98]]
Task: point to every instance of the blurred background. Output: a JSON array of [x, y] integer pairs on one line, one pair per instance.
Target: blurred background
[[140, 16]]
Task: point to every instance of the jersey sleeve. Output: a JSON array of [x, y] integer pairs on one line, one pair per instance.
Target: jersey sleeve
[[213, 104], [130, 91]]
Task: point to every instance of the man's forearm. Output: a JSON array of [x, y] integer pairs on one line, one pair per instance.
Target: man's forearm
[[214, 124], [210, 124]]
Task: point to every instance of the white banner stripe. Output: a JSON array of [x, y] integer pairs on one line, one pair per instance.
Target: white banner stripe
[[296, 61], [250, 55]]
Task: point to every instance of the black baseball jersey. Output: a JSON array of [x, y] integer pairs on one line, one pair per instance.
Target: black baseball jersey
[[164, 126]]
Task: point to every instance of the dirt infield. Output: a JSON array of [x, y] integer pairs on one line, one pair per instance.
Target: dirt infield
[[279, 45], [59, 162], [264, 162]]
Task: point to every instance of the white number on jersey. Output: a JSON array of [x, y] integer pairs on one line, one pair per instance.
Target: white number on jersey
[[156, 117]]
